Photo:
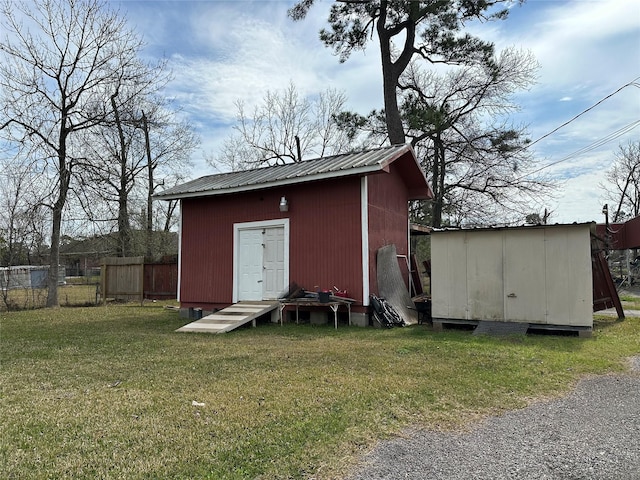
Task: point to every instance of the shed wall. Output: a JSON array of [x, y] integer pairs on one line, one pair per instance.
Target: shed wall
[[531, 275], [388, 219], [325, 238], [326, 243]]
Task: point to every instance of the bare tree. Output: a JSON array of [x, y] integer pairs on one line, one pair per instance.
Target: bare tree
[[141, 148], [61, 59], [168, 144], [623, 187], [114, 164], [17, 205], [481, 169], [22, 220], [431, 30], [284, 128]]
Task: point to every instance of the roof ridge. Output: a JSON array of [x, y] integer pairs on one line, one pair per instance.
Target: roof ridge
[[353, 163]]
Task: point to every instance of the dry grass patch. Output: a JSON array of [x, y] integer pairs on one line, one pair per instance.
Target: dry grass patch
[[31, 298], [108, 392]]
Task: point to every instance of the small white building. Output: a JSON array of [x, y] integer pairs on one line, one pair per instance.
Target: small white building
[[540, 275], [28, 276]]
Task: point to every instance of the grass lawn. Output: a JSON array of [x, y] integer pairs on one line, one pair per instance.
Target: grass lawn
[[108, 392], [631, 302]]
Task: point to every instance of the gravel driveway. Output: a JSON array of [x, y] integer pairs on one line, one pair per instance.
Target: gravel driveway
[[593, 433]]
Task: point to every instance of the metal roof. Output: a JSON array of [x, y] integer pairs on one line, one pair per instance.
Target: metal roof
[[510, 227], [308, 170]]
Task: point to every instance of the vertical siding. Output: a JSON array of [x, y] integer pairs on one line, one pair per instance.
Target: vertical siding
[[324, 238], [483, 261], [388, 218], [531, 275], [160, 280], [569, 276], [449, 274], [325, 244]]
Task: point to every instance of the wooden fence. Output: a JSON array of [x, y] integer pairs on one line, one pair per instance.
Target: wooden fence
[[130, 279], [122, 278], [161, 281]]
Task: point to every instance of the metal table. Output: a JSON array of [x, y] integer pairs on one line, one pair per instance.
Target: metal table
[[334, 304]]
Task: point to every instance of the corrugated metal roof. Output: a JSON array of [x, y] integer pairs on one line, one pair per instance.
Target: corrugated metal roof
[[305, 171]]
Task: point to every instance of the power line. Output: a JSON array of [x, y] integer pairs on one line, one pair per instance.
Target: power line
[[631, 83], [598, 143]]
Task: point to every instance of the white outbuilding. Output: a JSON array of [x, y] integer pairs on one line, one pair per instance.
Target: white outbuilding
[[536, 275]]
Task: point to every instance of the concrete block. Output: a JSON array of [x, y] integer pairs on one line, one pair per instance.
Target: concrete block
[[359, 319], [318, 317]]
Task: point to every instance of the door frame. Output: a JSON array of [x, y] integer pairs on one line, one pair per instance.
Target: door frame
[[237, 227]]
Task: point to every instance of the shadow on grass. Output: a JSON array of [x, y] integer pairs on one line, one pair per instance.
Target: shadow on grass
[[603, 322]]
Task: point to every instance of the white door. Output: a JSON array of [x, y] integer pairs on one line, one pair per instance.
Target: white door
[[261, 263], [273, 261], [524, 276], [250, 266]]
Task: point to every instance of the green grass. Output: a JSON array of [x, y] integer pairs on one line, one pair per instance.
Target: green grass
[[631, 302], [107, 392]]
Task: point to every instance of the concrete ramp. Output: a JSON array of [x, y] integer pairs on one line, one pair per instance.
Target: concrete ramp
[[230, 318]]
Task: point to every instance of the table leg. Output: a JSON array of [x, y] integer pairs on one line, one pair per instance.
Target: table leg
[[334, 307]]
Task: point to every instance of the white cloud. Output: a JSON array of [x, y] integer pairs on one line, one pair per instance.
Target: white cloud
[[259, 55], [577, 42], [224, 51], [580, 199]]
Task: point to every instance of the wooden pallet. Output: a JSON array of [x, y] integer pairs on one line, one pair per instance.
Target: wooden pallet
[[509, 328]]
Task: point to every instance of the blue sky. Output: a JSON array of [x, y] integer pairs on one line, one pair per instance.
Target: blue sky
[[224, 51]]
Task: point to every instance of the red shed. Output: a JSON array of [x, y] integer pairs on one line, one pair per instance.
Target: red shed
[[248, 235]]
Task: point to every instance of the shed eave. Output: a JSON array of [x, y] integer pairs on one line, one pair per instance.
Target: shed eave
[[420, 194], [358, 171]]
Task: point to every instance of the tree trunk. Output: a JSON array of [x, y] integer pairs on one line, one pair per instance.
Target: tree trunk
[[436, 204], [124, 227], [170, 209], [393, 119], [437, 182], [441, 180], [54, 257], [150, 168], [56, 223]]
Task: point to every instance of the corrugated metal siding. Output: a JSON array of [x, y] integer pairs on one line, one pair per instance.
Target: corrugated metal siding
[[621, 236], [324, 238], [207, 241], [388, 218]]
